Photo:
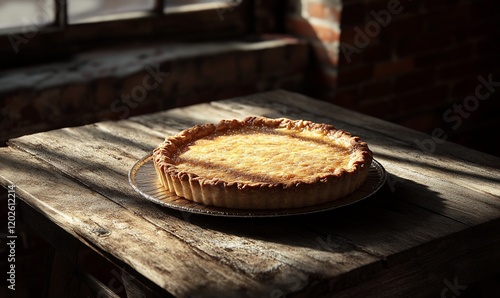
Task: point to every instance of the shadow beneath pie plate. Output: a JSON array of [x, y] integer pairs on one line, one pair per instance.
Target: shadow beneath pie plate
[[385, 217]]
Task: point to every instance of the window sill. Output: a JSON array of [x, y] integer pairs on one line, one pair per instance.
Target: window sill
[[93, 85]]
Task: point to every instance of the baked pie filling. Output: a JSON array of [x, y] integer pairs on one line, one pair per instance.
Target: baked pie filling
[[262, 163]]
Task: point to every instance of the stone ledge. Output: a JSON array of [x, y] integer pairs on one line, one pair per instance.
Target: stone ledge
[[116, 83], [122, 62]]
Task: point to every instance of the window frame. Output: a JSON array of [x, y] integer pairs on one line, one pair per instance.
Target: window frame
[[201, 22]]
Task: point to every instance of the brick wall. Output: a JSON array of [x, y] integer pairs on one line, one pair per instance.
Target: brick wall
[[118, 83], [417, 63], [318, 22]]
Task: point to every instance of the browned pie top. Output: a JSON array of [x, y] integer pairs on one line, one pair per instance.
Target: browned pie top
[[261, 150]]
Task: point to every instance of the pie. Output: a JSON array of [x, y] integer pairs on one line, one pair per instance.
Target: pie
[[262, 163]]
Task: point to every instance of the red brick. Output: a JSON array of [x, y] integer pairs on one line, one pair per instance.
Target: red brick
[[354, 75], [273, 61], [480, 29], [353, 13], [377, 88], [347, 34], [482, 9], [105, 92], [427, 42], [326, 34], [488, 109], [17, 109], [348, 57], [264, 16], [480, 116], [459, 70], [349, 54], [433, 4], [465, 87], [324, 95], [184, 75], [325, 54], [235, 90], [47, 103], [131, 81], [304, 28], [454, 14], [294, 7], [168, 85], [445, 56], [414, 80], [299, 26], [425, 121], [426, 98], [403, 27], [324, 77], [380, 108], [144, 107], [488, 46], [399, 66], [294, 83], [220, 69], [247, 65], [375, 5], [375, 52], [409, 8], [298, 56], [323, 11], [347, 97], [352, 36], [208, 93]]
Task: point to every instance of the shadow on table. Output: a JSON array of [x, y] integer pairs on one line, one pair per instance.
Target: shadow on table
[[368, 225]]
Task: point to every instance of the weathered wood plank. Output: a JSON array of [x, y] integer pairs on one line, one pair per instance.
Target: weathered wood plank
[[163, 258], [262, 257]]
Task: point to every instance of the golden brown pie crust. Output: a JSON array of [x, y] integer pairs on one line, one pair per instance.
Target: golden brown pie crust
[[258, 191]]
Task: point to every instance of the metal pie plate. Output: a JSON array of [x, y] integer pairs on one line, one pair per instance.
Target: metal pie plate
[[143, 178]]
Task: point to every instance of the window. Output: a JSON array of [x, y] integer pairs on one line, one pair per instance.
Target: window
[[89, 10], [18, 13], [32, 29]]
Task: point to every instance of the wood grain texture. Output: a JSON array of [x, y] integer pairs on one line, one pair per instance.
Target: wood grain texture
[[428, 215], [257, 258], [105, 225]]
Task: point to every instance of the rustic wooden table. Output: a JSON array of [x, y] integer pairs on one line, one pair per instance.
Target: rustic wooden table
[[431, 230]]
